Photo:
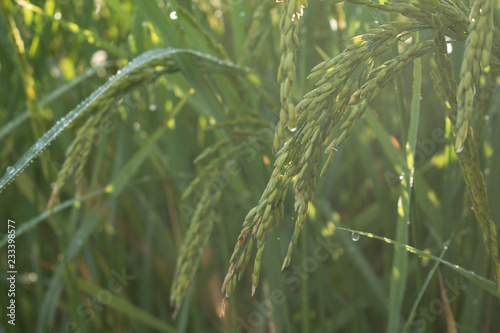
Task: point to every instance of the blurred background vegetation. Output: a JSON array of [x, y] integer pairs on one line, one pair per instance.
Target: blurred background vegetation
[[103, 257]]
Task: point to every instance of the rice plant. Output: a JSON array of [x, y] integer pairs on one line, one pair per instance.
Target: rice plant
[[250, 166]]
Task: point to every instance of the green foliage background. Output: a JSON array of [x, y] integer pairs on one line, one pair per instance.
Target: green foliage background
[[100, 255]]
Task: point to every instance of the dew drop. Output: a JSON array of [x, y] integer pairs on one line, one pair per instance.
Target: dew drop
[[459, 150], [446, 247], [293, 129], [355, 236], [11, 170]]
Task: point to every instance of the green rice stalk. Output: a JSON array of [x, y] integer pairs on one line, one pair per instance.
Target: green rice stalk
[[476, 60], [211, 150], [79, 150], [215, 166], [221, 152], [256, 228], [101, 117], [344, 81], [289, 25], [195, 243], [383, 75], [468, 156], [453, 15], [211, 177]]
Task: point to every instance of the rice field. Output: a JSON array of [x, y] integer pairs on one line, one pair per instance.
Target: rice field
[[249, 166]]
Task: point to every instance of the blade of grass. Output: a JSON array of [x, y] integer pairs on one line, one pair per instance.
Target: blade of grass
[[52, 133], [482, 282], [238, 26], [399, 272]]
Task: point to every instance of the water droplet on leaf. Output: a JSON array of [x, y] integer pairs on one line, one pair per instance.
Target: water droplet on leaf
[[355, 236]]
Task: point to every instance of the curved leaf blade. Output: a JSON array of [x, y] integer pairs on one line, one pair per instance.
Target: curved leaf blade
[[143, 59]]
